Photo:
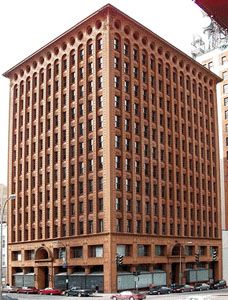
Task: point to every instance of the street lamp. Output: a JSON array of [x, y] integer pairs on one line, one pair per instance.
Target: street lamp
[[180, 262], [11, 197], [180, 259]]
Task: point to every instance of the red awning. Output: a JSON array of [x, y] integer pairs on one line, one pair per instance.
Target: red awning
[[218, 9]]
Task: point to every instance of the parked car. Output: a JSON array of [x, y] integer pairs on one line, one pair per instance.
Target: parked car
[[219, 284], [128, 295], [157, 290], [50, 291], [202, 287], [182, 288], [77, 291], [9, 289], [6, 297], [27, 290]]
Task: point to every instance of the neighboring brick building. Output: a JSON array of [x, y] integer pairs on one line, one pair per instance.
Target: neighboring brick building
[[113, 149]]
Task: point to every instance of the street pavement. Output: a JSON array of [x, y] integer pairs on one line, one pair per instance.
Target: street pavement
[[203, 295]]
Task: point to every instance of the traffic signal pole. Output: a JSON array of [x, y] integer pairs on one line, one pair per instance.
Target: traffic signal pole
[[197, 260], [119, 262], [136, 275], [214, 258]]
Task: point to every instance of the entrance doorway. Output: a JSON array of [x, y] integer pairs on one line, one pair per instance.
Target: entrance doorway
[[175, 273], [42, 277]]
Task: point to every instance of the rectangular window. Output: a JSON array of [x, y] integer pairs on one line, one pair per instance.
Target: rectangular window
[[225, 75], [138, 226], [77, 252], [117, 141], [100, 225], [99, 62], [81, 228], [118, 203], [116, 44], [226, 114], [117, 121], [129, 225], [225, 89], [143, 250], [90, 49], [126, 68], [127, 105], [135, 72], [81, 90], [126, 86], [99, 44], [90, 69], [100, 82], [100, 204], [226, 101], [124, 250], [126, 49], [210, 65], [203, 250], [135, 54], [118, 225], [223, 60], [136, 90], [81, 54], [117, 101], [116, 82], [118, 183], [100, 101], [90, 226], [159, 250], [116, 62]]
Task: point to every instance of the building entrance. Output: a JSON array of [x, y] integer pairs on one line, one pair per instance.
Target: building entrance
[[42, 277], [175, 273], [43, 260]]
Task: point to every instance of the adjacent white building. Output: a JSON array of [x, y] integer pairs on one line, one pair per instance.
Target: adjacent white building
[[213, 54], [4, 253], [3, 195]]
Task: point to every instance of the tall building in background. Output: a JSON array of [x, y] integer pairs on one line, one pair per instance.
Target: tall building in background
[[215, 57], [113, 149], [3, 197], [212, 52]]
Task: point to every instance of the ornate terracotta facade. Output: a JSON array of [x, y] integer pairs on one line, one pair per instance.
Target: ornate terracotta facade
[[113, 148]]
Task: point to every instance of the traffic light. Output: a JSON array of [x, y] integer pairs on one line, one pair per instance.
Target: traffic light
[[119, 259], [197, 257], [214, 255]]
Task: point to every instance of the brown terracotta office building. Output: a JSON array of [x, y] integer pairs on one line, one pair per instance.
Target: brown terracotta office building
[[113, 149]]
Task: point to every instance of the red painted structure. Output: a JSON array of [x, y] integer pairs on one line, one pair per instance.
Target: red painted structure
[[216, 9]]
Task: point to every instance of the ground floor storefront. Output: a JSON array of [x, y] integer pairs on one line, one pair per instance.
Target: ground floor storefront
[[92, 263]]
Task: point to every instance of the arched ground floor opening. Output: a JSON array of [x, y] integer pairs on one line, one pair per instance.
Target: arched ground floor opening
[[42, 277]]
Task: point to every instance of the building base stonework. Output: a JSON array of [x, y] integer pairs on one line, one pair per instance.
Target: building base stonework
[[158, 264]]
